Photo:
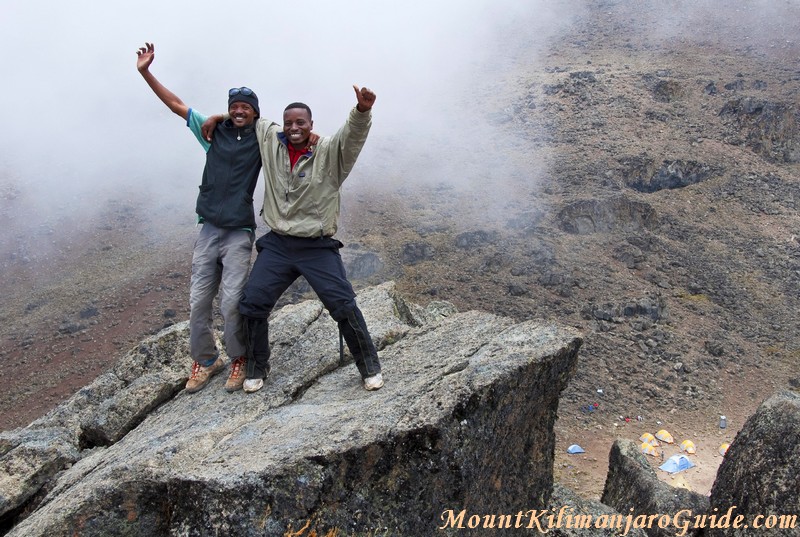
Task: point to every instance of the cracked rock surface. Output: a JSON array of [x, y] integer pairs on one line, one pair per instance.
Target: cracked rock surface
[[465, 419]]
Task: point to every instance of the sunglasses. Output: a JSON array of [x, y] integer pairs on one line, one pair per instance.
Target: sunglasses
[[243, 90]]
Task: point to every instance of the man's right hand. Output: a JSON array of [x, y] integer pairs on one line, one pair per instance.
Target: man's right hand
[[207, 129], [146, 54]]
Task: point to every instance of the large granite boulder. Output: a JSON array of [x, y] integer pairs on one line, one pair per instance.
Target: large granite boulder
[[464, 423], [581, 517], [759, 478], [633, 488]]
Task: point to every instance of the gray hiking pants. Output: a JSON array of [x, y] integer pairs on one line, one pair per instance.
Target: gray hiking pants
[[221, 262]]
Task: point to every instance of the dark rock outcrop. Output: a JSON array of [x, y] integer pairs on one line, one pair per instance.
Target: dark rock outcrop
[[668, 91], [603, 216], [760, 472], [653, 308], [771, 129], [465, 422], [596, 519], [417, 252], [362, 265], [632, 487], [645, 175]]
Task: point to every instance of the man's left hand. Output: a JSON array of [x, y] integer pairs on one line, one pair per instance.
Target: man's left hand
[[366, 98]]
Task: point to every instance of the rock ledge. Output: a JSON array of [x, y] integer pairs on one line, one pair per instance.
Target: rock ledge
[[465, 421]]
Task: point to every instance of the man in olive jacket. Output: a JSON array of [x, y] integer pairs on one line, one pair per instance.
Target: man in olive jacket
[[301, 208]]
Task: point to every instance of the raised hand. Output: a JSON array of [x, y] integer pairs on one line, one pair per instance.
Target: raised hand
[[146, 54], [366, 98]]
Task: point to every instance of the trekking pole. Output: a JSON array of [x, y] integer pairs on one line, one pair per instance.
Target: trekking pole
[[341, 347]]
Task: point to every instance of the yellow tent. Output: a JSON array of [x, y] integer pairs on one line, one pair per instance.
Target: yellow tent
[[647, 449], [664, 436], [649, 438], [723, 449], [688, 446]]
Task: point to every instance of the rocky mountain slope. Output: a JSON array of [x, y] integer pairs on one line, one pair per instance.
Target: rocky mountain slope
[[646, 192]]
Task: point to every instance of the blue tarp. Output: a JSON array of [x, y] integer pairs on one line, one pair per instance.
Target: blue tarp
[[575, 448], [676, 463]]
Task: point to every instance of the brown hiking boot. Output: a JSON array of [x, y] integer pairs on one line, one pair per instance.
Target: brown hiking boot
[[202, 375], [236, 378]]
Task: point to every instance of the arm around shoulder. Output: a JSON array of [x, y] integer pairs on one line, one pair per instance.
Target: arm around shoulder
[[262, 127]]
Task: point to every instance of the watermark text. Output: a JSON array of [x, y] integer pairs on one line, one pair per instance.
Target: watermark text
[[565, 517]]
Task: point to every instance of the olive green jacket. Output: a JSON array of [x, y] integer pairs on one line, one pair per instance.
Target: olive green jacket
[[304, 201]]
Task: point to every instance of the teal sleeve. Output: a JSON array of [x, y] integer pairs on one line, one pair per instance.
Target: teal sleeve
[[194, 122]]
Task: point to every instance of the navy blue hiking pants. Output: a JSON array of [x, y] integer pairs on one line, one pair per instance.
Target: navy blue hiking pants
[[281, 260]]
